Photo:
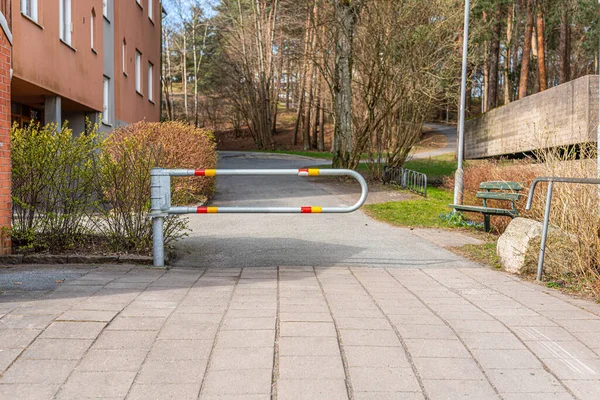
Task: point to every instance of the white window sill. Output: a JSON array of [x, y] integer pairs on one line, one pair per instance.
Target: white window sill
[[32, 21], [68, 45]]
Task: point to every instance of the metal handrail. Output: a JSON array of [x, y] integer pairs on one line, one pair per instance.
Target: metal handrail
[[161, 197], [551, 180]]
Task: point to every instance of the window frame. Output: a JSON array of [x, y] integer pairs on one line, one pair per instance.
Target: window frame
[[65, 21], [33, 9], [151, 10], [124, 56], [138, 72], [93, 29], [150, 82], [106, 100]]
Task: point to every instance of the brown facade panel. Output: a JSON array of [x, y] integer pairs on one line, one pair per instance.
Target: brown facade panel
[[42, 59], [143, 35]]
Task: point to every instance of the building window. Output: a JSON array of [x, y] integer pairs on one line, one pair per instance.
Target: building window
[[105, 104], [124, 56], [30, 8], [92, 27], [139, 2], [105, 8], [150, 9], [65, 20], [138, 72], [150, 80]]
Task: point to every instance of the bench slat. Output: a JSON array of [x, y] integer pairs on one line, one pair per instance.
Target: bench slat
[[499, 196], [501, 185], [484, 210]]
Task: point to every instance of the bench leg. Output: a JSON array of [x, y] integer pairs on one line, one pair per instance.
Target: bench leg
[[486, 223]]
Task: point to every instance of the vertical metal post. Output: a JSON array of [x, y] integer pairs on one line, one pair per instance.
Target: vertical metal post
[[540, 269], [459, 176], [158, 248], [598, 137]]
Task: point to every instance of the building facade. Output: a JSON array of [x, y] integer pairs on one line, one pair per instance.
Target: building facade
[[5, 177], [78, 59]]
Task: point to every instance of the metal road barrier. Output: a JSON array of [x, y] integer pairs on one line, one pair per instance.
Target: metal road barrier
[[406, 179], [161, 197], [551, 180]]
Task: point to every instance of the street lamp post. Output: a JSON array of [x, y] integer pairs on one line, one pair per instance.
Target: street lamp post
[[459, 175]]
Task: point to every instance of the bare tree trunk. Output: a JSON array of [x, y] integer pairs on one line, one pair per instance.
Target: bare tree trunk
[[321, 144], [287, 84], [541, 44], [195, 58], [486, 73], [305, 61], [508, 59], [494, 60], [564, 46], [308, 107], [314, 137], [526, 55], [184, 74], [345, 14]]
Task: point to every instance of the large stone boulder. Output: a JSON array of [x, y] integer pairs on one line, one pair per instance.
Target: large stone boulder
[[519, 247]]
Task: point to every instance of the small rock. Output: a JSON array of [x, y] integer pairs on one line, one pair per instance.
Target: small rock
[[519, 246]]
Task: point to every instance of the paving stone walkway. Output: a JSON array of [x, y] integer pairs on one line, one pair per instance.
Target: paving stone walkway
[[297, 333]]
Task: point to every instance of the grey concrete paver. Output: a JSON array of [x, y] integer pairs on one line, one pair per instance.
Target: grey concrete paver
[[41, 372], [234, 382], [106, 384], [57, 349], [73, 330], [28, 391], [324, 333], [297, 389], [242, 358], [105, 360], [181, 349], [172, 371], [180, 391], [308, 346]]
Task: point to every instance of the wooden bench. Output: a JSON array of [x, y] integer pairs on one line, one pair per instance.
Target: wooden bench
[[504, 191]]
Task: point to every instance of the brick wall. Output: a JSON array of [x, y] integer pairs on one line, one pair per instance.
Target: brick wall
[[5, 176]]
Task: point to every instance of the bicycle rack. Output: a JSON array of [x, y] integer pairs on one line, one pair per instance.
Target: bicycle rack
[[161, 197]]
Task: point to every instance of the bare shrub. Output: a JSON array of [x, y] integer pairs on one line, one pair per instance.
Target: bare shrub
[[175, 145], [130, 153]]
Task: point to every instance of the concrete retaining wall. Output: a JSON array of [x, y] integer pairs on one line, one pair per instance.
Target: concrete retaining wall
[[563, 115]]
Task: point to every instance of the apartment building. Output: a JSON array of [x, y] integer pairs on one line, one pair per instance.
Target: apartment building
[[78, 59]]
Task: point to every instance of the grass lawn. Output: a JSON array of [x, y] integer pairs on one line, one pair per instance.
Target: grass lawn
[[423, 212], [436, 168]]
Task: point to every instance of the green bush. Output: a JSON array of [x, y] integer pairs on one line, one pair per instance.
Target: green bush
[[53, 180], [68, 189]]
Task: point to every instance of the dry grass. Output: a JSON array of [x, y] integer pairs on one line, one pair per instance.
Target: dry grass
[[575, 209]]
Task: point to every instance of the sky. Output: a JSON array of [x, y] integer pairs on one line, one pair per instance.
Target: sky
[[172, 7]]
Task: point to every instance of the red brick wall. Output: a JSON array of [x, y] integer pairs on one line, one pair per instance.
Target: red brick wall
[[5, 177]]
